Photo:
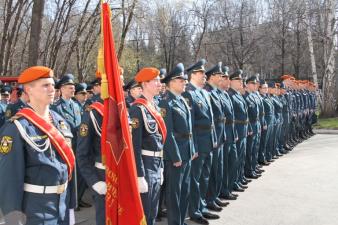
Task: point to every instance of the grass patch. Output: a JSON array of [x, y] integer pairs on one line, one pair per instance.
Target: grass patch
[[327, 123]]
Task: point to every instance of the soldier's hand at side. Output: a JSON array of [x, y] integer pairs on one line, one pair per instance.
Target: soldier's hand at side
[[194, 156], [250, 133], [265, 127], [142, 185], [178, 164], [100, 187]]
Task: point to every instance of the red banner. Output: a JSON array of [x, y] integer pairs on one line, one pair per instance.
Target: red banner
[[123, 202]]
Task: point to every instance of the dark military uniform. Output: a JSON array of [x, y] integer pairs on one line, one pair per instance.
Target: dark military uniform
[[71, 112], [230, 151], [32, 174], [179, 147], [269, 117], [242, 126], [252, 140], [216, 174], [204, 140], [147, 138], [89, 157]]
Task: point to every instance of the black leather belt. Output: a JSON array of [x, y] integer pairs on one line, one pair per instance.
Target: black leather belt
[[183, 135], [204, 127], [229, 122]]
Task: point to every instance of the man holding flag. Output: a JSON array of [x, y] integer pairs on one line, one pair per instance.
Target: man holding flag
[[122, 200], [149, 133]]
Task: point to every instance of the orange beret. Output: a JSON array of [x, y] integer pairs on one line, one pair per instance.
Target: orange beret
[[35, 73], [98, 74], [146, 74]]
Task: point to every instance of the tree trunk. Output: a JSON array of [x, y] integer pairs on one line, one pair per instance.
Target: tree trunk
[[329, 84], [36, 25], [310, 42]]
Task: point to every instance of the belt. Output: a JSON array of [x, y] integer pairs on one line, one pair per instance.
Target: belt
[[152, 153], [241, 121], [100, 166], [204, 127], [229, 122], [220, 120], [183, 136], [58, 189]]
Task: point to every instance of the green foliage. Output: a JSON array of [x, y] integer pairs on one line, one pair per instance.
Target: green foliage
[[327, 123]]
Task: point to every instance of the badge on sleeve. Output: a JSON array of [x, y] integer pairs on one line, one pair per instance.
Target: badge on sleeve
[[6, 144], [135, 123], [163, 112], [83, 130], [8, 113]]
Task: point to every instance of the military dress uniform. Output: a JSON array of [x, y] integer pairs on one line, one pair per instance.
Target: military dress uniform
[[216, 174], [13, 108], [89, 155], [130, 85], [34, 174], [242, 126], [2, 114], [252, 140], [71, 112], [179, 146], [204, 140], [230, 151], [148, 141]]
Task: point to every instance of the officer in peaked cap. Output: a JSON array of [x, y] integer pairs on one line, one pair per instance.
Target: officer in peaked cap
[[34, 169], [80, 95], [252, 145], [241, 124], [205, 140], [71, 112], [230, 152], [6, 92], [163, 73], [214, 79], [148, 136], [96, 89], [13, 108], [179, 147], [134, 91]]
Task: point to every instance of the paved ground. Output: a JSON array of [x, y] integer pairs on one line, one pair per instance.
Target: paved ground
[[301, 188]]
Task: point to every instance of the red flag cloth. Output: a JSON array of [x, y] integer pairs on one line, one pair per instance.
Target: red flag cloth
[[123, 202]]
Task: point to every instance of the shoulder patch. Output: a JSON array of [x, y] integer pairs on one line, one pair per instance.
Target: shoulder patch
[[63, 125], [135, 123], [163, 112], [8, 113], [6, 144], [83, 130]]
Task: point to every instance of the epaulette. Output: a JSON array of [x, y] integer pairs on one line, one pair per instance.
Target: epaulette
[[15, 117]]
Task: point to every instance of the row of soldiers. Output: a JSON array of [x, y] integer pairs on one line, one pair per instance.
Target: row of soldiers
[[212, 133], [220, 130]]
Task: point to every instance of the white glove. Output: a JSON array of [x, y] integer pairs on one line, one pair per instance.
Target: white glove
[[100, 187], [142, 185], [162, 175], [71, 217]]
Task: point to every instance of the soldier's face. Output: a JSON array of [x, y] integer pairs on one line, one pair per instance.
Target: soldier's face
[[81, 97], [226, 83], [178, 85], [68, 91], [153, 86], [264, 89], [136, 92], [200, 78], [237, 84], [41, 91]]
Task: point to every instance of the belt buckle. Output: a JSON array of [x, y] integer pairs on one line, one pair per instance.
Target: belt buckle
[[60, 189]]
